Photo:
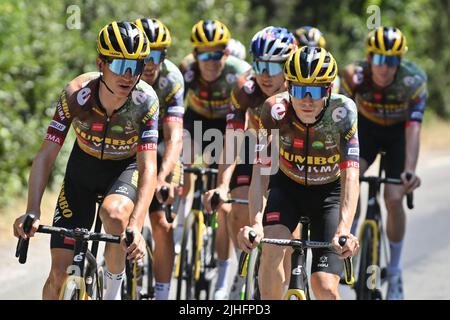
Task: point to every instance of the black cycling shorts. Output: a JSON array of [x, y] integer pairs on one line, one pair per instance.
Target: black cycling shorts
[[288, 201], [373, 138], [85, 179]]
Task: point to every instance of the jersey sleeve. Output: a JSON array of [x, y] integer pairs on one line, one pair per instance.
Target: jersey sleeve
[[174, 99], [236, 118], [60, 124], [148, 131], [418, 102], [351, 76], [348, 127]]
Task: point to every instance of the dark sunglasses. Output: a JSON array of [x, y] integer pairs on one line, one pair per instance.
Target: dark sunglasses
[[316, 93], [121, 66], [380, 59], [205, 56]]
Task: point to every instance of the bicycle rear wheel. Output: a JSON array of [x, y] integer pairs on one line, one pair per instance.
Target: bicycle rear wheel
[[186, 263]]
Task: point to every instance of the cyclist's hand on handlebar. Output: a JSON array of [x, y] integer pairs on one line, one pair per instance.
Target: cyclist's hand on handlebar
[[18, 227], [350, 248], [223, 192], [161, 184], [243, 237], [137, 249], [410, 180]]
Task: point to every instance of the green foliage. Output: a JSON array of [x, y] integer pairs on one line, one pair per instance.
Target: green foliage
[[40, 51]]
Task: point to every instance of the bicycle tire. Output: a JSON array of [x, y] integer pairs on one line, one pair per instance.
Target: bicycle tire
[[147, 267], [251, 281], [363, 292], [186, 272]]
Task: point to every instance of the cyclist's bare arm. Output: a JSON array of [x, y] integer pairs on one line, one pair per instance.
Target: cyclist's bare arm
[[349, 199], [40, 172], [146, 164], [173, 141], [412, 145]]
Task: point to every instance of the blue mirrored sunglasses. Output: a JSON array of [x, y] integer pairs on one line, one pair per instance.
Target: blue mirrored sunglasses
[[272, 68], [205, 56], [316, 93], [121, 66], [380, 59], [155, 56]]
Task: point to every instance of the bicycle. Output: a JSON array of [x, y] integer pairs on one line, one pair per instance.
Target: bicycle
[[370, 274], [85, 276], [298, 286], [196, 263]]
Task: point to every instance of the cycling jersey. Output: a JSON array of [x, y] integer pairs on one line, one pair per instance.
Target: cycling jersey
[[169, 87], [246, 96], [402, 101], [313, 154], [211, 99], [131, 128], [170, 90]]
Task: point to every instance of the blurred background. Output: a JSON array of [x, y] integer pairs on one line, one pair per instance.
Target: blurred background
[[46, 43]]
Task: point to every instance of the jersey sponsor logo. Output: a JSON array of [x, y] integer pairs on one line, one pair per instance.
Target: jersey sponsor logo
[[299, 143], [358, 77], [65, 107], [175, 109], [150, 134], [286, 140], [318, 145], [278, 111], [310, 160], [323, 262], [138, 97], [117, 129], [58, 126], [231, 78], [163, 83], [109, 142], [318, 169], [176, 93], [173, 119], [189, 76], [147, 147], [273, 216], [339, 114], [97, 127], [352, 131], [230, 116], [63, 205], [151, 113], [83, 96], [54, 138], [377, 96], [243, 179], [353, 141], [69, 241], [417, 115], [249, 86], [203, 94], [349, 164], [353, 152], [122, 190]]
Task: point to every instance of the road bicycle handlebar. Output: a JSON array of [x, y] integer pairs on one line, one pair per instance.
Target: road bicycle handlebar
[[215, 201], [84, 234], [379, 180]]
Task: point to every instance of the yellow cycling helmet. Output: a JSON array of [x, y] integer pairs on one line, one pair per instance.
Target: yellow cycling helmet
[[312, 65], [157, 33], [123, 40], [209, 33], [388, 41], [309, 36]]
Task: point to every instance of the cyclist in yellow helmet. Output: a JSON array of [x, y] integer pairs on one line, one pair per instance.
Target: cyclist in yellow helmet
[[390, 93], [315, 174], [210, 73], [168, 83], [115, 118]]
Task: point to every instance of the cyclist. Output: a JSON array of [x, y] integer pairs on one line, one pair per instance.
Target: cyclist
[[313, 37], [270, 48], [115, 118], [168, 83], [318, 158], [390, 93], [210, 74]]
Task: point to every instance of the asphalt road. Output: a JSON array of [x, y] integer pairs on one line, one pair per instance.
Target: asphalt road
[[426, 254]]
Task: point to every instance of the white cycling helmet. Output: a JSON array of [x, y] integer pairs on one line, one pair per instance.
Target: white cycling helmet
[[236, 49]]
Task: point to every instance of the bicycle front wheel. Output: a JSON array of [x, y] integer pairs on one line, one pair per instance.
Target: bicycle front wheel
[[251, 282], [366, 286], [186, 262]]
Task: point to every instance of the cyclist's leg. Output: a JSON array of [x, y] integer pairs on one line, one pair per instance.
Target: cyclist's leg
[[280, 220], [163, 254], [115, 213], [326, 266], [393, 196], [75, 208]]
